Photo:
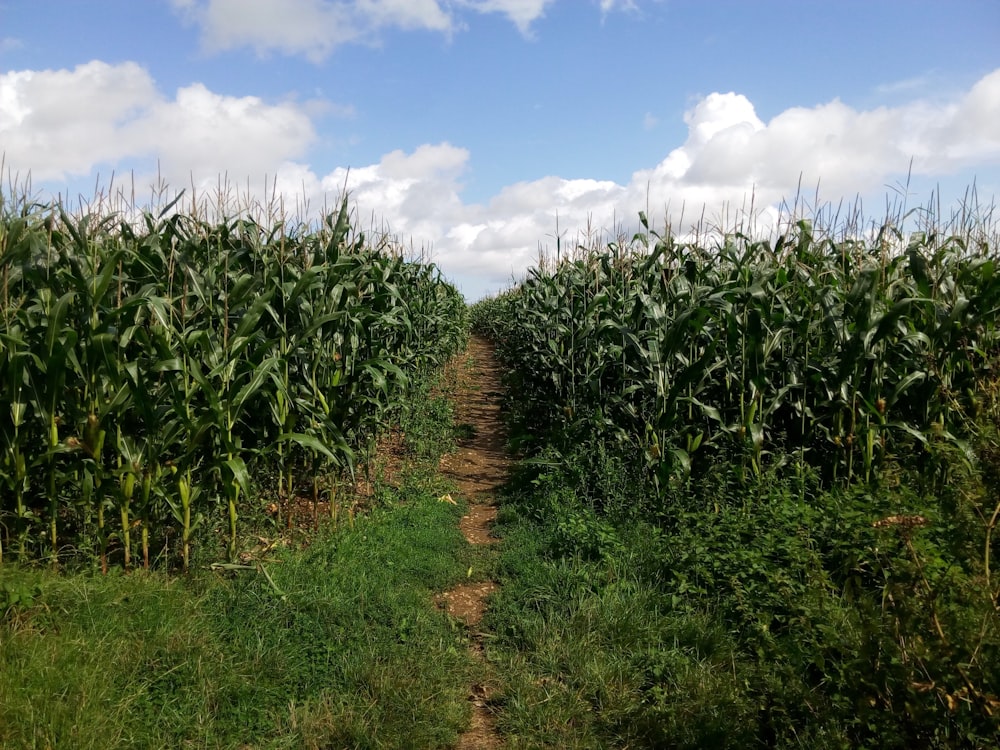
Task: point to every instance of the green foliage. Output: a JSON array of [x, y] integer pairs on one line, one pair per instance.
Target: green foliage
[[428, 416], [17, 595], [841, 620], [843, 358], [759, 506], [161, 373]]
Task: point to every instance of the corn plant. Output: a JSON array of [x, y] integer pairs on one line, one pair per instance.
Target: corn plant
[[155, 365], [840, 357]]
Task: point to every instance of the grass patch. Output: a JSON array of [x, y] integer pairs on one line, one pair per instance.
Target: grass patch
[[593, 656], [769, 623], [334, 644], [345, 649]]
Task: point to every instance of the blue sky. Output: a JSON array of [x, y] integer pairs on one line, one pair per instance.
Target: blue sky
[[467, 126]]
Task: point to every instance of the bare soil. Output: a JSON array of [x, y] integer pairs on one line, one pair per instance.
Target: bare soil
[[479, 467]]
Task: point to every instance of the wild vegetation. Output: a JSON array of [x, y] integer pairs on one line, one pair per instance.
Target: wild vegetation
[[759, 505], [162, 373]]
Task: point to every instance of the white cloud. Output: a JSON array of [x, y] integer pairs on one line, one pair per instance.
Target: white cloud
[[967, 132], [849, 150], [521, 12], [63, 123], [314, 28], [444, 161], [211, 134], [417, 193], [309, 27], [906, 85], [607, 6], [406, 14]]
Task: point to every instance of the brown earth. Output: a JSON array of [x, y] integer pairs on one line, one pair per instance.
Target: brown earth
[[478, 468]]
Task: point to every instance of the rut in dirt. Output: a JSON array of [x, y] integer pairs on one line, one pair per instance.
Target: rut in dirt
[[479, 468]]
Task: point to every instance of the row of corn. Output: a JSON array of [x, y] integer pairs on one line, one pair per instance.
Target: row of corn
[[837, 357], [161, 371]]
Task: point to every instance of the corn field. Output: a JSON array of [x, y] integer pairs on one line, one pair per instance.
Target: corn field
[[160, 371], [838, 357]]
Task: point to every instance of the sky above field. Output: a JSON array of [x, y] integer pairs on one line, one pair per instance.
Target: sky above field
[[477, 131]]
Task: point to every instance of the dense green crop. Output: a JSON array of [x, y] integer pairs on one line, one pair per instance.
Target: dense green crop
[[833, 356], [762, 490], [160, 371]]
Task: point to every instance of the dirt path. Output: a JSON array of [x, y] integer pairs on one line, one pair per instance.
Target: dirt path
[[479, 467]]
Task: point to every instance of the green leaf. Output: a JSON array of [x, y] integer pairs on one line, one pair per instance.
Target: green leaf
[[237, 470], [306, 441]]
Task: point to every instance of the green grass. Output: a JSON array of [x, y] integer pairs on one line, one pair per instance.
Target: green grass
[[351, 652], [337, 644], [777, 623], [594, 656]]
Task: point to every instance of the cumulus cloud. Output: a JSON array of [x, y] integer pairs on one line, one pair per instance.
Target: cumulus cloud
[[59, 124], [849, 150], [729, 156], [210, 134], [49, 125], [417, 195], [312, 28], [966, 133], [96, 117]]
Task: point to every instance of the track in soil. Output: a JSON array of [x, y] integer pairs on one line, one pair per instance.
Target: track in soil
[[478, 468]]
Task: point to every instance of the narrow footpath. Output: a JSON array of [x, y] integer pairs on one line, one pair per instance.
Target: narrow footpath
[[479, 467]]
